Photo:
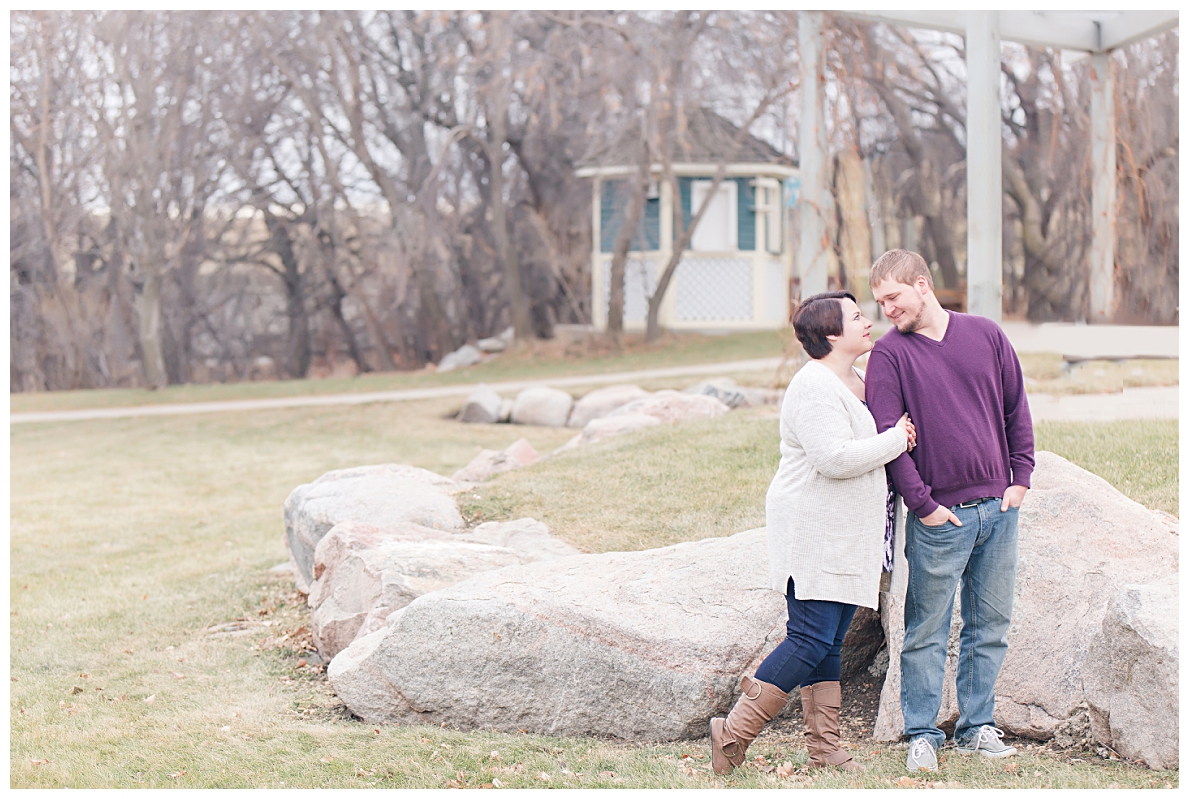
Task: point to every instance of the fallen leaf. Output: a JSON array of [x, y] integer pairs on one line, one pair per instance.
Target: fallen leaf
[[497, 783], [177, 675], [146, 596], [545, 777], [177, 774], [150, 699], [327, 760], [607, 774], [128, 651], [785, 770], [84, 675], [495, 755], [1012, 767], [487, 785], [76, 690], [14, 679], [906, 782], [446, 746], [453, 784], [301, 663], [38, 762]]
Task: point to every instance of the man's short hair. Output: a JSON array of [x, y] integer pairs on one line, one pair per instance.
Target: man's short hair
[[817, 317], [901, 266]]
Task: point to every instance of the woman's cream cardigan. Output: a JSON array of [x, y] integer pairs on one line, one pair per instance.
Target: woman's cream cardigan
[[826, 505]]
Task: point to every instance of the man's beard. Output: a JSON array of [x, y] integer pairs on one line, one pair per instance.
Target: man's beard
[[913, 324]]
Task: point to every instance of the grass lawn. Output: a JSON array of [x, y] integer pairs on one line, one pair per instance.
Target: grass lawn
[[131, 539]]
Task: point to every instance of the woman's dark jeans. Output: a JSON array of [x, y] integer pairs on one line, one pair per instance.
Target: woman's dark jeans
[[812, 652]]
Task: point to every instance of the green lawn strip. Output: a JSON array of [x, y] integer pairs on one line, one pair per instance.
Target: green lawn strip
[[530, 362], [130, 538], [1046, 374]]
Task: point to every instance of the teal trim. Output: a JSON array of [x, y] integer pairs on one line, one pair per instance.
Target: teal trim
[[613, 206], [746, 197], [686, 187]]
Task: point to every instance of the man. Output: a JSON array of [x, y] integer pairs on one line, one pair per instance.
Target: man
[[960, 381]]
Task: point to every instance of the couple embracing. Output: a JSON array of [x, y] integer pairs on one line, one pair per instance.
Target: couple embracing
[[942, 406]]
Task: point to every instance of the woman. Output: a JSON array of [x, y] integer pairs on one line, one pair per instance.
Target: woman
[[826, 514]]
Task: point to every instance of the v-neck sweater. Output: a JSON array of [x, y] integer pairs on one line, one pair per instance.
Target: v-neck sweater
[[965, 394], [826, 505]]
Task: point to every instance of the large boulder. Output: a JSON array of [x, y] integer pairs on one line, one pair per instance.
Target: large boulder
[[363, 573], [387, 495], [1080, 542], [481, 406], [548, 407], [673, 406], [642, 646], [466, 355], [490, 462], [601, 402], [1131, 676]]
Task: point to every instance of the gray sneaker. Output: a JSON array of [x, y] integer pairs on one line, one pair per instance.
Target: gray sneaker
[[921, 755], [986, 742]]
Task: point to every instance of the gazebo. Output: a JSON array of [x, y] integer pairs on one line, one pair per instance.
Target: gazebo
[[735, 274]]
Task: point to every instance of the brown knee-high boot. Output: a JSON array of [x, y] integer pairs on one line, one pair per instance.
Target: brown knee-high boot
[[730, 737], [820, 704]]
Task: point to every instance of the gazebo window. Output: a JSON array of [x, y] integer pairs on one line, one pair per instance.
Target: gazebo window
[[612, 210]]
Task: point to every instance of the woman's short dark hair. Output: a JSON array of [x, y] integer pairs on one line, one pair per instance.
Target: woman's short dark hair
[[817, 317]]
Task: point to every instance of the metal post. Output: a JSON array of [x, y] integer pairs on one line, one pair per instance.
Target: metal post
[[984, 167], [1102, 154], [815, 205]]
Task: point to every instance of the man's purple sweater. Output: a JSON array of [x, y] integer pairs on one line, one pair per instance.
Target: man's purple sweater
[[965, 394]]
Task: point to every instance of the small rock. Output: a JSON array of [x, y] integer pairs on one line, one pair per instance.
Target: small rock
[[598, 429], [482, 406], [466, 355], [493, 344], [548, 407], [673, 406], [489, 462], [603, 401]]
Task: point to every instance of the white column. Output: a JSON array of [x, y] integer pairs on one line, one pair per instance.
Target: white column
[[984, 167], [815, 204], [598, 303], [1102, 154]]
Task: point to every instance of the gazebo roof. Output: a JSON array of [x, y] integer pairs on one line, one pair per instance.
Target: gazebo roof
[[705, 137]]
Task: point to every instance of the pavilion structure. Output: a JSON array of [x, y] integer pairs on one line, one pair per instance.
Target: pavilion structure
[[1096, 33]]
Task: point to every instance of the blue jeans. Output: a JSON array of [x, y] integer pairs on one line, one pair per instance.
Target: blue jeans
[[812, 652], [981, 557]]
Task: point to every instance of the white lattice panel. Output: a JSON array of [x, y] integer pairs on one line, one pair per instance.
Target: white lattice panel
[[639, 282], [714, 289], [776, 292]]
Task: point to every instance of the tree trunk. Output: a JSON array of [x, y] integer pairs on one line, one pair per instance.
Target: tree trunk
[[619, 255], [297, 349], [152, 356], [517, 299]]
